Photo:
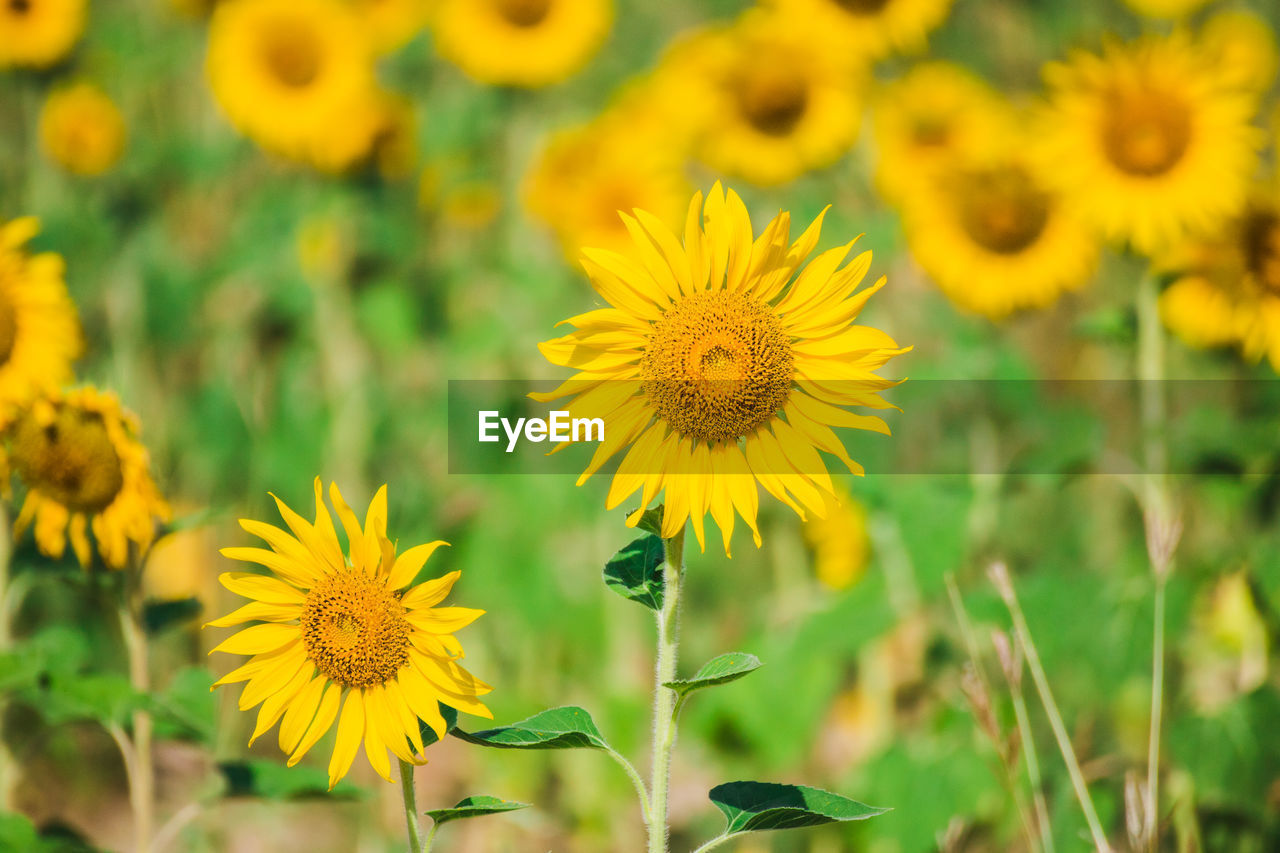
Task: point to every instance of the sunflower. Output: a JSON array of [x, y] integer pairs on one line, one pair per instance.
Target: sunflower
[[715, 371], [1147, 142], [392, 23], [39, 33], [769, 100], [994, 237], [39, 331], [82, 130], [528, 43], [870, 28], [78, 454], [335, 624], [1167, 9], [296, 76], [1227, 288], [839, 542], [937, 111], [1241, 48]]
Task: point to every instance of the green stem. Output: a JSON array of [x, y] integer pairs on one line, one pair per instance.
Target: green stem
[[641, 791], [714, 843], [411, 808], [431, 838], [142, 780], [664, 722], [8, 766]]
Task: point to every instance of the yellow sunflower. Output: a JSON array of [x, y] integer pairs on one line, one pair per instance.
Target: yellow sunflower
[[1167, 9], [769, 102], [296, 76], [870, 28], [1227, 288], [527, 43], [392, 23], [715, 371], [995, 238], [39, 331], [39, 33], [82, 130], [839, 542], [335, 624], [937, 111], [78, 453], [1147, 142], [1241, 48]]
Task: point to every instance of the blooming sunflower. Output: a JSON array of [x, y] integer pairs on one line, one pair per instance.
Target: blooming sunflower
[[335, 624], [78, 454], [870, 28], [82, 130], [995, 238], [296, 76], [1242, 49], [39, 331], [527, 43], [1147, 142], [39, 33], [716, 371], [769, 100], [936, 112]]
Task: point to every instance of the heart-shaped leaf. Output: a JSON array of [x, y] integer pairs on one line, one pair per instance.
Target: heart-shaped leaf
[[475, 807], [718, 670], [754, 806], [635, 572], [569, 727]]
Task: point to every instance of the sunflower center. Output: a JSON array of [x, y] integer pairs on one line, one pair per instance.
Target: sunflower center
[[931, 132], [70, 459], [863, 7], [20, 7], [1146, 134], [292, 54], [718, 366], [1262, 248], [353, 627], [8, 327], [773, 102], [524, 13], [1001, 209]]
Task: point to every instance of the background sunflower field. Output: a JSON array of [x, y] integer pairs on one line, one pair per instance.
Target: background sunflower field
[[287, 225]]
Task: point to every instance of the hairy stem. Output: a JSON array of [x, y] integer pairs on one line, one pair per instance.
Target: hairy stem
[[410, 807], [664, 722]]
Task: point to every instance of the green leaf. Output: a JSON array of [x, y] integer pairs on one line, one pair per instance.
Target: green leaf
[[569, 727], [275, 780], [17, 833], [105, 697], [650, 520], [754, 806], [186, 707], [635, 572], [450, 722], [157, 615], [475, 807], [718, 670]]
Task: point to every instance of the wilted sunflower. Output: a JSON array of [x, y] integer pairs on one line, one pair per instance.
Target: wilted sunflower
[[520, 42], [1241, 49], [39, 331], [770, 102], [715, 371], [936, 112], [352, 624], [78, 454], [296, 76], [995, 238], [870, 28], [82, 129], [39, 33], [1147, 142]]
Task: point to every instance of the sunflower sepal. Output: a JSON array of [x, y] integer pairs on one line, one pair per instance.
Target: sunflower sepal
[[635, 572]]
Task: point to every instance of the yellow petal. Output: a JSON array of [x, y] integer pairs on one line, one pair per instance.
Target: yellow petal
[[443, 620], [375, 742], [258, 639], [257, 611], [300, 713], [274, 706], [325, 716], [350, 734], [348, 518], [409, 563], [429, 593]]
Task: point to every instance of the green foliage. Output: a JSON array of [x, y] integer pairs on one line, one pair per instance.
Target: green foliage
[[158, 616], [478, 806], [428, 734], [274, 780], [186, 707], [635, 572], [569, 727], [719, 670], [755, 806]]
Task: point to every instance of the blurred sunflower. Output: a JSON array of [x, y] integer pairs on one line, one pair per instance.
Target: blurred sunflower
[[78, 454], [392, 23], [527, 43], [937, 111], [769, 102], [82, 129], [335, 624], [707, 346], [1167, 9], [839, 542], [39, 33], [1227, 289], [1241, 48], [296, 76], [994, 238], [870, 28], [39, 331], [1147, 142]]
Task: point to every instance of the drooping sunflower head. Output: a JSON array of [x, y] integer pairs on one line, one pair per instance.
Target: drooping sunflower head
[[529, 43], [78, 455], [39, 331], [294, 75], [714, 370], [1148, 142], [82, 130], [346, 637], [872, 28], [39, 33]]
